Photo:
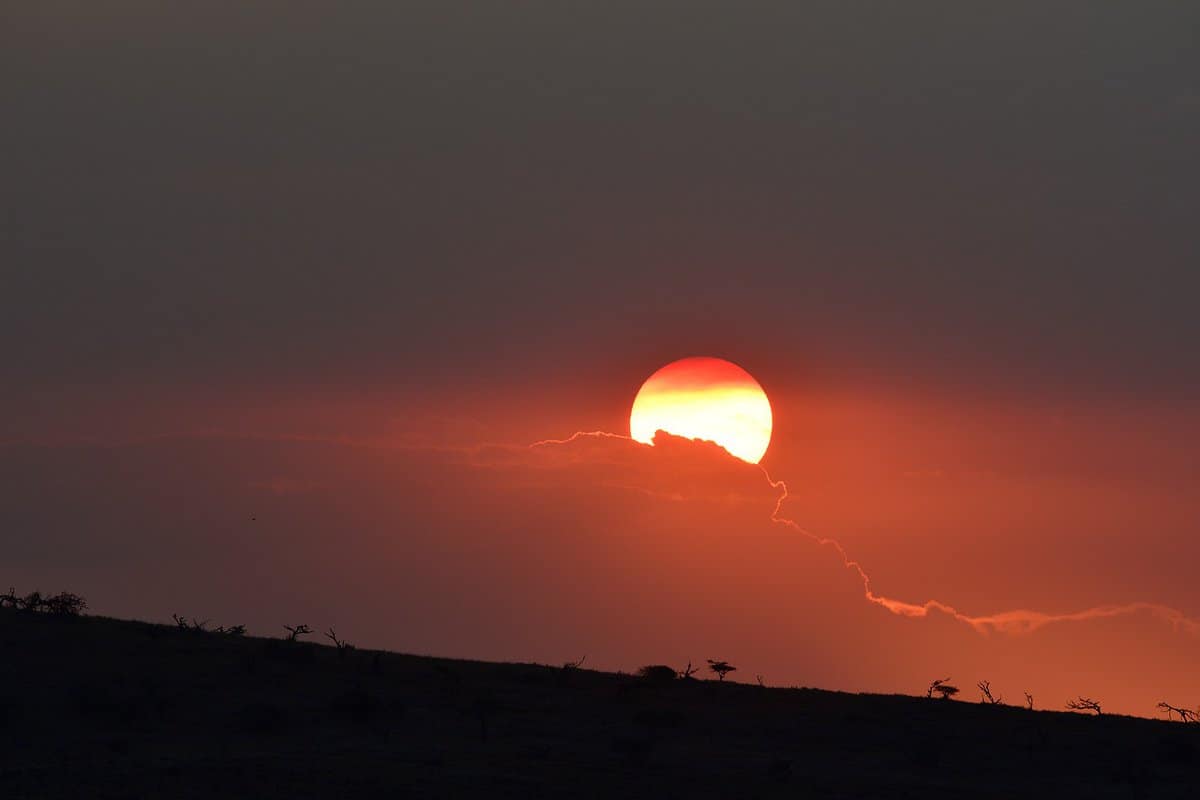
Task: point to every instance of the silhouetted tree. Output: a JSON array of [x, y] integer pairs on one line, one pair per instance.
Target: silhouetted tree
[[1084, 704], [985, 687], [31, 602], [180, 622], [721, 668], [759, 678], [296, 631], [1185, 714], [942, 686], [569, 665], [65, 604], [1029, 701], [688, 671], [10, 599], [342, 646]]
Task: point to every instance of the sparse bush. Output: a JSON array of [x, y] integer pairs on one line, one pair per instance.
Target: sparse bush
[[658, 674], [942, 686], [721, 668], [31, 602], [1084, 704], [1029, 701], [65, 604], [201, 626], [342, 646], [687, 673], [570, 665]]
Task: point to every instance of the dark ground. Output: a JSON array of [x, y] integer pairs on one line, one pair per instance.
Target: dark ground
[[93, 707]]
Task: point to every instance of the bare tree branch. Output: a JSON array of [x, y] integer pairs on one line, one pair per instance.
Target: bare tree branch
[[1185, 714], [1084, 704], [985, 687]]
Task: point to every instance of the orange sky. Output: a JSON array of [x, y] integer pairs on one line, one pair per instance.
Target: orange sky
[[454, 537]]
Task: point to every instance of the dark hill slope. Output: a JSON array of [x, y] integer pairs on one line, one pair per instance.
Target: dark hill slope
[[93, 707]]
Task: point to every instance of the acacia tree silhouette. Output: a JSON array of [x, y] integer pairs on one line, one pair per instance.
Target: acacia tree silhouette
[[721, 668]]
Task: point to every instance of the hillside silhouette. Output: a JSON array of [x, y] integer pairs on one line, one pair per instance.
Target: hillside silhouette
[[108, 708]]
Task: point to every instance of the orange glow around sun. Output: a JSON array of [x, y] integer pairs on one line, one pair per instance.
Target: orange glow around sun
[[705, 398]]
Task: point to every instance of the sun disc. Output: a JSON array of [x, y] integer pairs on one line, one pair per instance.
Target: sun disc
[[705, 398]]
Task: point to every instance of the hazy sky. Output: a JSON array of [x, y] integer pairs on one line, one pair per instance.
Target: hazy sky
[[396, 192], [956, 244]]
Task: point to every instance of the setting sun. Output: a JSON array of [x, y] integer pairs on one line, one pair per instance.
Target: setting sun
[[705, 398]]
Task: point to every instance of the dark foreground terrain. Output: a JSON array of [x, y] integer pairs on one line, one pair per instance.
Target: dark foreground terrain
[[93, 707]]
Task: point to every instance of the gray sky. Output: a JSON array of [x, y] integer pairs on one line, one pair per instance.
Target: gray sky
[[378, 193]]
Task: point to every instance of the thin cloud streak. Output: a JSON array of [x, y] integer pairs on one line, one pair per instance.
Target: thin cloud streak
[[1013, 622]]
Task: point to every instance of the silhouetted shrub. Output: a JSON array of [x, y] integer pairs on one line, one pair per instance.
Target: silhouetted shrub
[[985, 689], [343, 647], [942, 686], [1084, 704], [1184, 714], [31, 602], [658, 674], [65, 604]]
